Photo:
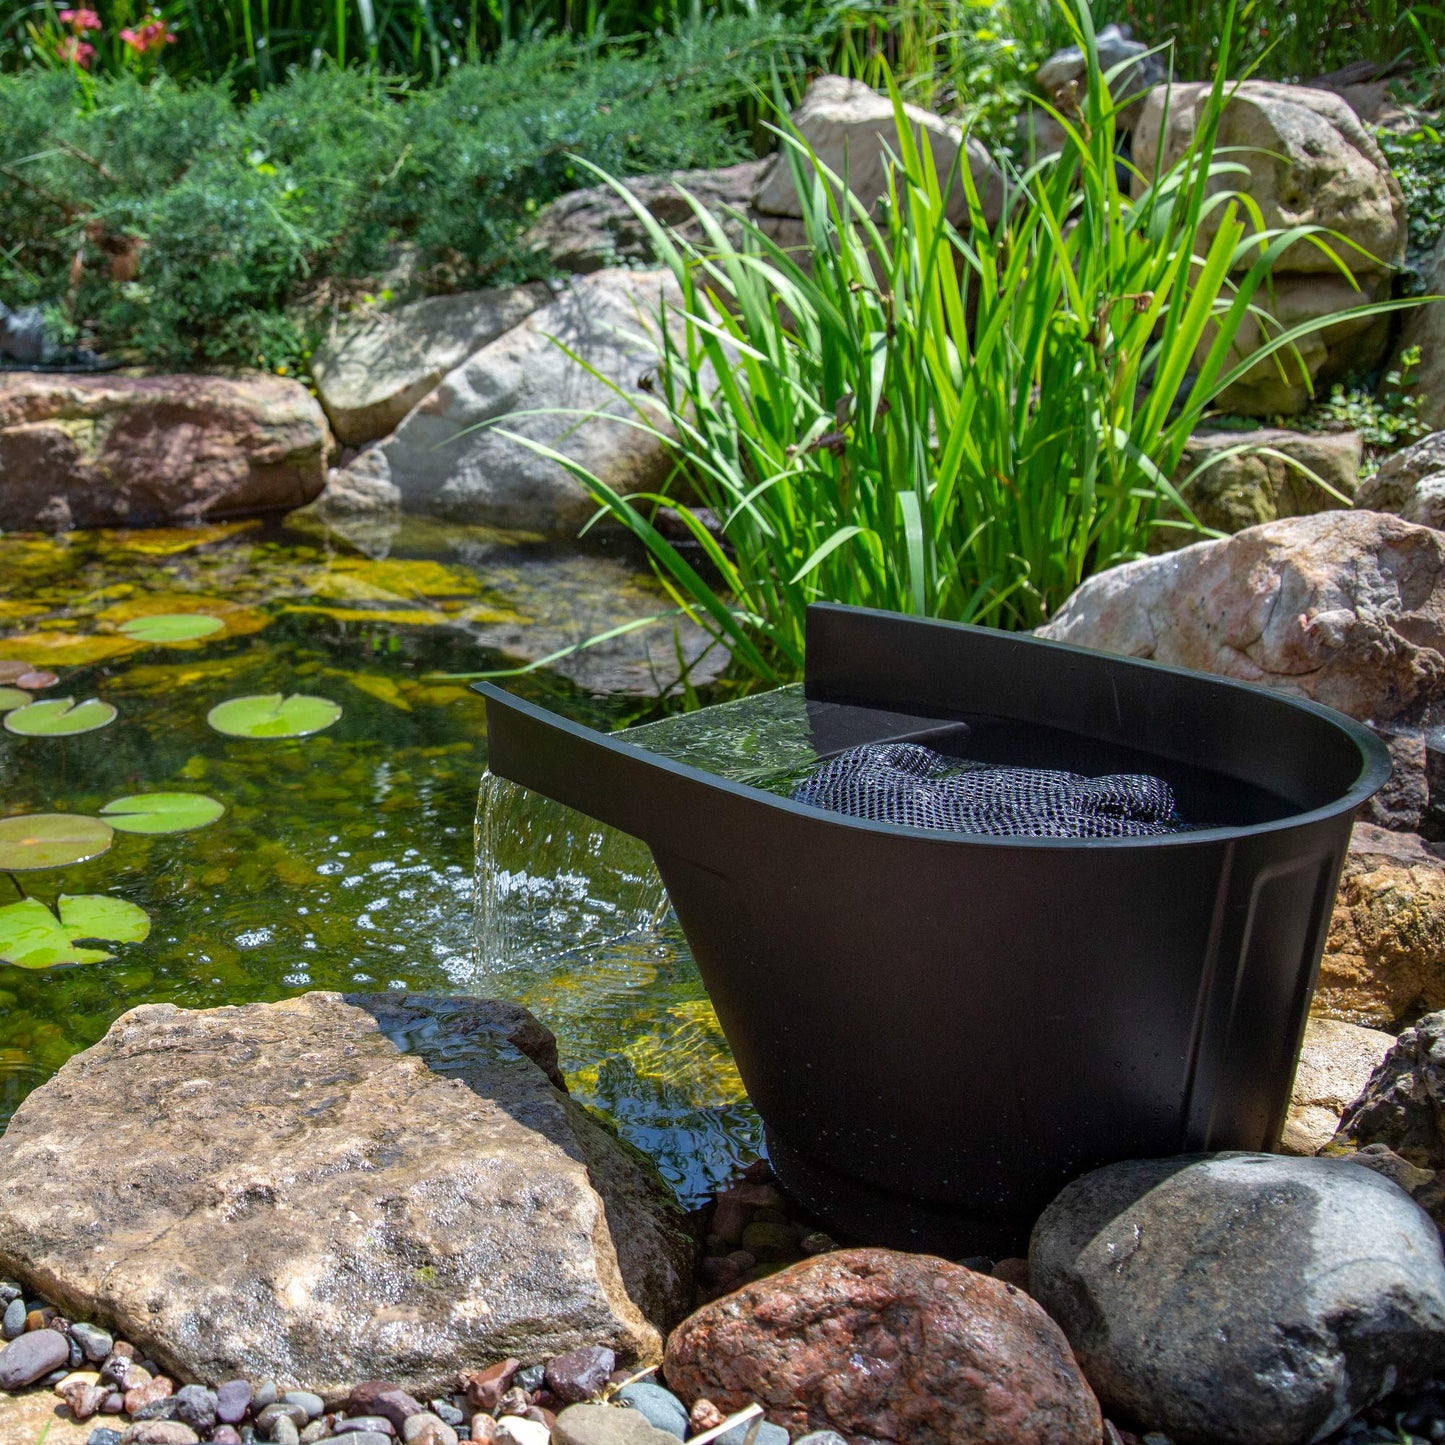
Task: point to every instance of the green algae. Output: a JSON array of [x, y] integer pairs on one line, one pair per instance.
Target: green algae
[[343, 859]]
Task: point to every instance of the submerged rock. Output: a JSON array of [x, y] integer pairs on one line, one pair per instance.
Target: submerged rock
[[1347, 608], [118, 451], [1384, 956], [1242, 1299], [384, 1188], [888, 1346]]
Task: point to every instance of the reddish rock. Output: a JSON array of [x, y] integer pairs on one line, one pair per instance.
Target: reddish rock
[[1013, 1270], [485, 1388], [147, 1392], [704, 1415], [894, 1347], [106, 451], [382, 1397]]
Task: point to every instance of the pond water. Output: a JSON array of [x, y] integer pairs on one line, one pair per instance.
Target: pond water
[[345, 859]]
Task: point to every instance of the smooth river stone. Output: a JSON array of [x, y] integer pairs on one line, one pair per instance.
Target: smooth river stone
[[31, 1357]]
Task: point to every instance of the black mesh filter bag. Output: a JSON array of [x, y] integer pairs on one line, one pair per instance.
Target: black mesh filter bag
[[913, 785]]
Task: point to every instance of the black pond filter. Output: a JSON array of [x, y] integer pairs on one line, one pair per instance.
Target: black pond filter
[[941, 1028]]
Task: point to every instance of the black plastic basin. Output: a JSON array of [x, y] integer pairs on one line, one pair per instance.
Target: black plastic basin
[[940, 1030]]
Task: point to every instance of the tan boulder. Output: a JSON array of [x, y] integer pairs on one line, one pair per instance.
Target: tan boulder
[[117, 451], [1335, 1064], [1384, 957], [851, 129], [331, 1189], [1425, 328], [377, 364], [1347, 608], [1410, 483]]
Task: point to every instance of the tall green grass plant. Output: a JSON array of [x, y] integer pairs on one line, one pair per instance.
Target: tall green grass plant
[[960, 423]]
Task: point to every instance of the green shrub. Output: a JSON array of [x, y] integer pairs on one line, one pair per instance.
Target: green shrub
[[240, 216], [962, 426]]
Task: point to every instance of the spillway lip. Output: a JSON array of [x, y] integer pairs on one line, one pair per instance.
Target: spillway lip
[[506, 711]]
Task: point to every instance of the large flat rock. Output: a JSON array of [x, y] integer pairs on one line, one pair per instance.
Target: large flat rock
[[334, 1189], [117, 451]]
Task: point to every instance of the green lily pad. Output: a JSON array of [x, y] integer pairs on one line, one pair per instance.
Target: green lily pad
[[171, 627], [273, 716], [32, 937], [51, 840], [13, 697], [161, 812], [59, 717]]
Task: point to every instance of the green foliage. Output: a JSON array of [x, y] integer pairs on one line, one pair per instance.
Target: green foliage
[[180, 229], [1417, 157], [963, 425], [1385, 422]]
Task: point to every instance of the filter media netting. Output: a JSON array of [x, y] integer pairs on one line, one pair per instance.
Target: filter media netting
[[913, 785]]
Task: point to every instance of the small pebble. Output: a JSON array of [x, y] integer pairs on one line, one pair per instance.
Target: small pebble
[[226, 1435], [485, 1388], [424, 1428], [116, 1368], [42, 1318], [660, 1408], [267, 1417], [821, 1437], [447, 1413], [147, 1392], [9, 1290], [284, 1431], [264, 1394], [314, 1405], [368, 1437], [159, 1432], [516, 1401], [481, 1429], [316, 1430], [30, 1357], [381, 1397], [77, 1355], [515, 1430], [704, 1415], [755, 1432], [580, 1374], [364, 1425], [12, 1325], [113, 1404], [102, 1435], [530, 1377], [233, 1399], [162, 1409], [196, 1407]]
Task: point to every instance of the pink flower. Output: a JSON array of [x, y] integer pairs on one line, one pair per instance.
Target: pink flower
[[151, 35], [79, 20], [77, 51]]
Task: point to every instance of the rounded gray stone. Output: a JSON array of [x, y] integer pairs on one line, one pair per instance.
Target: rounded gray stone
[[660, 1408], [314, 1405], [94, 1341], [1242, 1299], [755, 1432], [13, 1324], [284, 1431], [606, 1425], [31, 1357]]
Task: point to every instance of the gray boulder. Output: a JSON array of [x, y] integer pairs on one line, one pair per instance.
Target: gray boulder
[[1425, 328], [1311, 162], [1238, 479], [850, 127], [334, 1189], [1135, 71], [1347, 608], [450, 459], [377, 364], [1410, 483], [591, 229], [1242, 1299], [1403, 1106]]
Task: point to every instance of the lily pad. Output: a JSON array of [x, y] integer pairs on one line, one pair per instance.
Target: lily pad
[[36, 681], [172, 627], [10, 669], [161, 812], [51, 840], [273, 716], [13, 697], [59, 717], [32, 937]]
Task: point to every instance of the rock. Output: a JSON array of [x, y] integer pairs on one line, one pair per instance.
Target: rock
[[196, 1407], [870, 1342], [1410, 483], [14, 1320], [364, 1425], [94, 1341], [159, 1432], [362, 488], [1403, 803], [767, 1241], [428, 1208], [1242, 1299], [1335, 1064], [233, 1399], [31, 1357], [604, 1425], [376, 364], [381, 1397], [264, 1394], [1347, 608], [821, 1437], [660, 1408], [754, 1432], [1311, 163], [284, 1431], [1403, 1104], [424, 1428], [704, 1415], [281, 1409], [1425, 1186], [594, 228], [849, 126], [1384, 956], [485, 1388], [315, 1432], [446, 461], [580, 1374], [514, 1430], [314, 1405], [1264, 482], [116, 451], [1425, 328]]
